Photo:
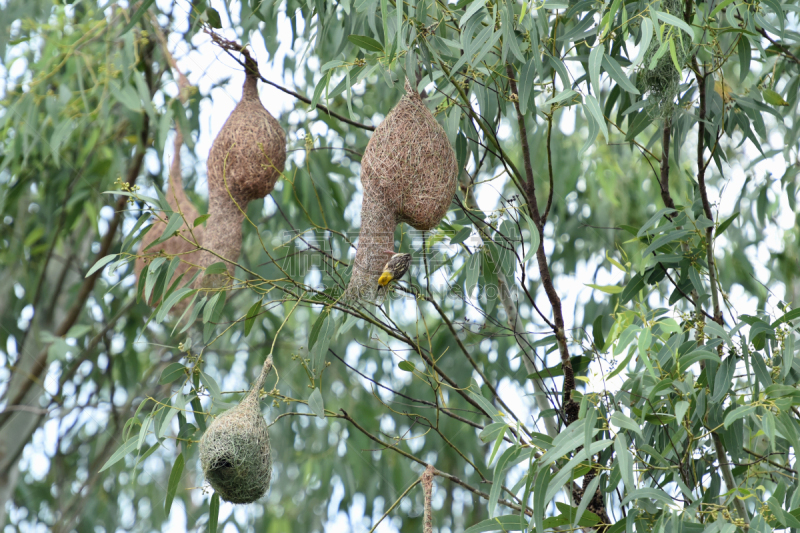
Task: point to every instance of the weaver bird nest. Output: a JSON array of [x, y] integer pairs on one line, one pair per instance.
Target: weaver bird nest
[[409, 173], [662, 82], [186, 244], [245, 161], [234, 451]]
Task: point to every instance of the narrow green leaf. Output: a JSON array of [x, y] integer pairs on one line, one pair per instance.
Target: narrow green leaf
[[211, 386], [199, 220], [461, 235], [588, 427], [631, 289], [722, 5], [539, 496], [321, 85], [136, 16], [208, 312], [560, 97], [250, 319], [724, 225], [405, 366], [608, 289], [326, 333], [743, 50], [213, 513], [655, 218], [647, 35], [314, 335], [170, 302], [100, 264], [623, 421], [697, 355], [121, 452], [594, 129], [760, 369], [739, 412], [150, 418], [648, 493], [618, 75], [172, 485], [786, 318], [473, 270], [490, 432], [597, 113], [680, 410], [367, 43], [665, 239], [315, 403], [387, 42], [535, 238], [591, 489], [595, 61], [712, 328], [639, 124], [509, 522], [564, 442], [199, 415], [173, 224], [625, 461], [675, 21], [674, 55], [213, 18], [485, 404], [526, 77], [773, 98], [473, 8], [506, 460], [172, 373]]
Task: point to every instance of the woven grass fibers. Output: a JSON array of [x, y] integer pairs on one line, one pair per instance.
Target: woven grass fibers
[[661, 83], [234, 451], [245, 161], [186, 249], [409, 173]]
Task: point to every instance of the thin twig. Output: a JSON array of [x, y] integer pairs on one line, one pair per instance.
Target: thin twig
[[233, 46]]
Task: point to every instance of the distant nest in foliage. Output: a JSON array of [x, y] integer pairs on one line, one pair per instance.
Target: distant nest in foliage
[[661, 83]]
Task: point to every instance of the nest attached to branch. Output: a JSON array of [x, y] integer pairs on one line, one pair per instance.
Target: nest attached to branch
[[186, 249], [245, 162], [235, 452], [410, 173], [661, 84]]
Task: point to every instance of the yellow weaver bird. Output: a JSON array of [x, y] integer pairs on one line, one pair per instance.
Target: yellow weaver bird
[[395, 268]]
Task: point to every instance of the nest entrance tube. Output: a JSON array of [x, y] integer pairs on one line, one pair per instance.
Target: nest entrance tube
[[409, 173], [235, 452]]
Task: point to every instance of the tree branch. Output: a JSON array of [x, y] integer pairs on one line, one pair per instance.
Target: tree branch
[[229, 46]]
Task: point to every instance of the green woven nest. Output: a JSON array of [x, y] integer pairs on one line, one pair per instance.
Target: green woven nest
[[661, 83], [235, 452]]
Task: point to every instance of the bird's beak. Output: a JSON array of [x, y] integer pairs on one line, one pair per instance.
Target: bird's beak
[[390, 252]]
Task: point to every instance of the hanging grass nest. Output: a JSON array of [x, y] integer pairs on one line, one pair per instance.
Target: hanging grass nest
[[660, 84], [245, 161], [186, 249], [409, 173], [234, 451]]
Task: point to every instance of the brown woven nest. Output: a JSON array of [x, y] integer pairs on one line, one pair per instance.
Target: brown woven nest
[[245, 161], [185, 248], [234, 451], [409, 173]]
